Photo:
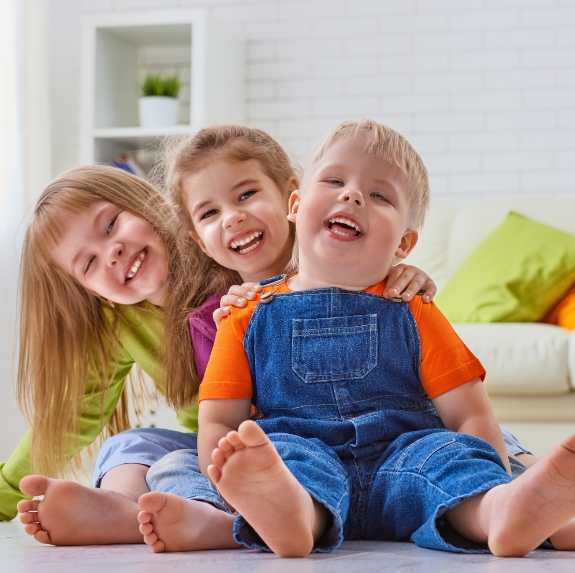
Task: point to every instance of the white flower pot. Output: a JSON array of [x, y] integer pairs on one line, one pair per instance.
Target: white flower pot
[[158, 111]]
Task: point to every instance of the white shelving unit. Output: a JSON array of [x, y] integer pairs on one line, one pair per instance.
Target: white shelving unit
[[208, 54]]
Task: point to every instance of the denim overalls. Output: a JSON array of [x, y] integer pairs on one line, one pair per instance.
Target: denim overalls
[[337, 384]]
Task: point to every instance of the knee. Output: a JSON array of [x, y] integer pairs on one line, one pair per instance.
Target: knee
[[170, 466]]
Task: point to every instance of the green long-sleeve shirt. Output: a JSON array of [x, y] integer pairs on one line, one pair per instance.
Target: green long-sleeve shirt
[[138, 343]]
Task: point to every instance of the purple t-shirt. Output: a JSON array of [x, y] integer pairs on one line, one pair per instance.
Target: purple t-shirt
[[203, 332]]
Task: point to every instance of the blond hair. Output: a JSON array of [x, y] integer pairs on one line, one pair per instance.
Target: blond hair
[[184, 155], [64, 333], [382, 141]]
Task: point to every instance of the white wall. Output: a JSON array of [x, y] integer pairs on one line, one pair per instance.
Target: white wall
[[485, 89]]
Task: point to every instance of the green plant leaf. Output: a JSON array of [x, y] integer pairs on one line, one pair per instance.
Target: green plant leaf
[[158, 85]]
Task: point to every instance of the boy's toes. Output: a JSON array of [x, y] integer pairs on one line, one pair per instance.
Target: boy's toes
[[144, 517], [32, 528], [158, 547], [219, 458], [235, 441], [28, 505], [146, 528], [251, 434], [214, 473]]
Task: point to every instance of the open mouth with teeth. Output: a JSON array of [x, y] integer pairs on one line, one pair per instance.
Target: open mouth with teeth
[[344, 227], [248, 243], [135, 267]]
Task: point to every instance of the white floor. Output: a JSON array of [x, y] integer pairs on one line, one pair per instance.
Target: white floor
[[19, 553]]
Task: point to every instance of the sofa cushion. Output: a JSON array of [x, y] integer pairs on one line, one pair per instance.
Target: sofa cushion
[[521, 359], [516, 274]]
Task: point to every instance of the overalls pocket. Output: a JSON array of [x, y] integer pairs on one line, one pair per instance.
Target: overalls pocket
[[334, 349]]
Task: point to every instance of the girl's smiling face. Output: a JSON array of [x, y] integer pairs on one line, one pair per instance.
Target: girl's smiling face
[[113, 254], [239, 217]]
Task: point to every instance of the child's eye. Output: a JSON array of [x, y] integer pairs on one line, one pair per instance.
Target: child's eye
[[209, 213], [111, 225], [89, 264], [337, 182], [378, 196], [247, 195]]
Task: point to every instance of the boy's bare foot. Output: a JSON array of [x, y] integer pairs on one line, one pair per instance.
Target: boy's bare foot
[[251, 475], [517, 517], [71, 514], [171, 523]]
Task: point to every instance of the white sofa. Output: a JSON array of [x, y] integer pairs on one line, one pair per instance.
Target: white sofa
[[530, 366]]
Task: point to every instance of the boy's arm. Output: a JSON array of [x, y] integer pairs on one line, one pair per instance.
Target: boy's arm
[[216, 419], [467, 409]]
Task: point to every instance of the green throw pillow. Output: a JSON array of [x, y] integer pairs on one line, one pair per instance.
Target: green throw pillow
[[515, 275]]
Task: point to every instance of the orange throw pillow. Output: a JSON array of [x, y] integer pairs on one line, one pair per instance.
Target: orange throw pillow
[[563, 314]]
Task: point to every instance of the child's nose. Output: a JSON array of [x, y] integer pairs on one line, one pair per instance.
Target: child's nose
[[352, 196], [114, 254], [233, 218]]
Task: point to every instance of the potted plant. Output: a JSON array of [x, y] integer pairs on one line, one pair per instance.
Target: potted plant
[[158, 104]]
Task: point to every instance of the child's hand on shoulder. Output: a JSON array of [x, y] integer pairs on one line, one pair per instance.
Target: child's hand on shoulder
[[407, 281], [237, 296]]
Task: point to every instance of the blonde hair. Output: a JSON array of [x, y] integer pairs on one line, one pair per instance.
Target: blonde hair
[[382, 141], [64, 333], [184, 155]]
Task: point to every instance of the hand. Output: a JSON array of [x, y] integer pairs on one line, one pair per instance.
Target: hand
[[407, 281], [237, 296]]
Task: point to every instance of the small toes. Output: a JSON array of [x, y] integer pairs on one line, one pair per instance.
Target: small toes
[[235, 441], [43, 537], [144, 517], [225, 446], [159, 547], [214, 473], [28, 505], [32, 528], [28, 517], [218, 457], [146, 528], [150, 538]]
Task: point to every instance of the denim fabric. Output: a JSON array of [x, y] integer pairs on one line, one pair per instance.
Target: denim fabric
[[512, 444], [341, 369], [143, 446], [179, 473]]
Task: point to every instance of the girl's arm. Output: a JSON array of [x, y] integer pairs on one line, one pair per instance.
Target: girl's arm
[[217, 418], [468, 410], [403, 280]]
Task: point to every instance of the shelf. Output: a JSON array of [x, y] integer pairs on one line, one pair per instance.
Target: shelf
[[138, 137], [119, 48]]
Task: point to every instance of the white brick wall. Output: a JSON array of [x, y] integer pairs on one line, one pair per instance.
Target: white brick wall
[[485, 89]]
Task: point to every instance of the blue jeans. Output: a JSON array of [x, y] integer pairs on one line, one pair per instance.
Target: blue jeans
[[399, 495], [143, 446]]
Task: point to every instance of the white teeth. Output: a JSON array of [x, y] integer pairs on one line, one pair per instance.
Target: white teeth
[[246, 240], [244, 251], [136, 265], [345, 222]]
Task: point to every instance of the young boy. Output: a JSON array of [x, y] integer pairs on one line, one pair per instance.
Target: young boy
[[374, 422]]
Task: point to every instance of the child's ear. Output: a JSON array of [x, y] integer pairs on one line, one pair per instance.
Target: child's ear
[[408, 241], [293, 205], [199, 241]]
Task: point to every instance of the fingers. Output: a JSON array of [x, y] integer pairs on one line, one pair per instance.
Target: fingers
[[406, 281], [219, 313], [247, 290]]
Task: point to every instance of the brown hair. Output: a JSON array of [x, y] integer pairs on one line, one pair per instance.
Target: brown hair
[[183, 155], [64, 333], [382, 141]]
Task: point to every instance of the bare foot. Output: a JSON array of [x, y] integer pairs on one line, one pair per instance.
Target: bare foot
[[171, 523], [251, 475], [564, 538], [517, 517], [71, 514]]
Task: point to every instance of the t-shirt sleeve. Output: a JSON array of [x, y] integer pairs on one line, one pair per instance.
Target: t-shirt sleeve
[[228, 375], [445, 360], [203, 332]]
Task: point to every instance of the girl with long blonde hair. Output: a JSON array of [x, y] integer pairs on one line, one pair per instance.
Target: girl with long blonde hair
[[110, 274]]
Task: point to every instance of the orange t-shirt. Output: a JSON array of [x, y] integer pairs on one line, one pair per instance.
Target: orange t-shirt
[[445, 360]]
